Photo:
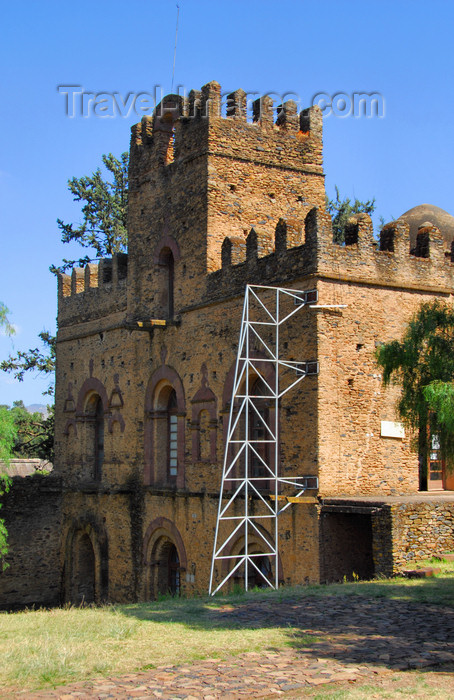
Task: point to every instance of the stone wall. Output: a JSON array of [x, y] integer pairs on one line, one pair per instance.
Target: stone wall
[[421, 530], [217, 203], [32, 514], [380, 538]]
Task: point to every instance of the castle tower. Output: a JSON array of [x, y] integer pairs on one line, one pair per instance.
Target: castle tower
[[197, 177]]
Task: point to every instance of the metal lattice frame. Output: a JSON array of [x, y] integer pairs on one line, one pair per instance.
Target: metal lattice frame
[[265, 310]]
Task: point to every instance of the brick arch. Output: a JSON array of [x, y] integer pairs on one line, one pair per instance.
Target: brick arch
[[170, 376], [164, 377], [166, 242], [70, 423], [91, 385], [116, 418], [165, 526]]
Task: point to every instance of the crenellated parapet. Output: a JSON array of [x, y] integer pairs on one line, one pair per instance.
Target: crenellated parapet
[[93, 291], [180, 126], [208, 166], [298, 248]]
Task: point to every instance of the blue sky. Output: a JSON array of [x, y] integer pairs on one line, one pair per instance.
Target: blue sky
[[402, 50]]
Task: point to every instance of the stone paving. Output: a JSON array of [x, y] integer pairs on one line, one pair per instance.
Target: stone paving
[[351, 639]]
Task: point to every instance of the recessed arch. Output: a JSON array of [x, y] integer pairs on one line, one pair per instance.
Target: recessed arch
[[165, 412], [85, 577], [164, 375], [164, 559], [166, 242], [166, 256], [89, 387]]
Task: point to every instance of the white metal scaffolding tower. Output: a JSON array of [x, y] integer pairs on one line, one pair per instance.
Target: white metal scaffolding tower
[[252, 446]]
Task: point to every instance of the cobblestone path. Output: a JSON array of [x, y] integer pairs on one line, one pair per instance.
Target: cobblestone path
[[354, 639]]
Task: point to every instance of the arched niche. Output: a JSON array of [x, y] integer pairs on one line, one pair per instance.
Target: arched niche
[[164, 559]]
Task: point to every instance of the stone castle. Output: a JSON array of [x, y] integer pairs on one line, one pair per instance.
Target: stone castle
[[147, 344]]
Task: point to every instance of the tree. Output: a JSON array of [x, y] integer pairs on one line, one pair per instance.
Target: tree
[[35, 359], [104, 226], [34, 433], [342, 209], [422, 363], [104, 230], [7, 437], [4, 321]]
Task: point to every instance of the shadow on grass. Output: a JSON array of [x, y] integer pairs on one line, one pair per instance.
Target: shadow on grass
[[392, 624]]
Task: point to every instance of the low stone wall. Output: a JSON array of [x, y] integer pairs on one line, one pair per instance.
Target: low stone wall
[[26, 467], [32, 514], [421, 530]]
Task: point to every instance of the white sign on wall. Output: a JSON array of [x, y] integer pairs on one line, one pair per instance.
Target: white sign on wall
[[392, 429]]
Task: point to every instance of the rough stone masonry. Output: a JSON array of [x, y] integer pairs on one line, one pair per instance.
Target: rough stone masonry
[[146, 350]]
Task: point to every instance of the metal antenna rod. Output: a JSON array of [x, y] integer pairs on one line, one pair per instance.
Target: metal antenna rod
[[175, 49]]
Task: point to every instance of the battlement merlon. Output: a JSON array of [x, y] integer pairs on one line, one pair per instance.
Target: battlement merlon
[[301, 247], [181, 127], [94, 289]]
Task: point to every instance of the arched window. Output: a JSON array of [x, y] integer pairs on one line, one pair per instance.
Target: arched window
[[94, 419], [172, 435], [99, 439], [261, 416], [164, 426], [167, 271], [164, 429], [259, 434]]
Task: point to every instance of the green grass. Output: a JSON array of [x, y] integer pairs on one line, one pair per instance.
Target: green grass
[[48, 647]]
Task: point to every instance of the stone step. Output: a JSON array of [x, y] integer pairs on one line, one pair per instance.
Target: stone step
[[425, 572]]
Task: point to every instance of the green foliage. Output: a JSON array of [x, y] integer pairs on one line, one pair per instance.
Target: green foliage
[[34, 433], [8, 432], [104, 212], [7, 437], [342, 209], [4, 321], [422, 363], [35, 359], [440, 397]]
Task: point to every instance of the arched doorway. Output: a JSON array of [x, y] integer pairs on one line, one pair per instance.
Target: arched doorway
[[164, 560], [86, 569], [83, 575], [165, 569]]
